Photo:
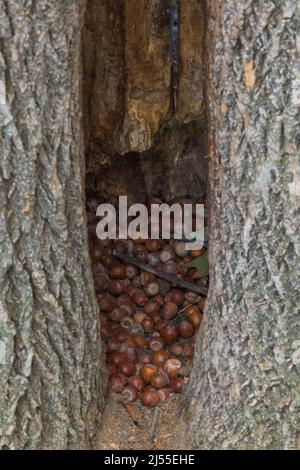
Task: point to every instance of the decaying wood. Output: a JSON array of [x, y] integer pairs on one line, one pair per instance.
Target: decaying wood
[[175, 281]]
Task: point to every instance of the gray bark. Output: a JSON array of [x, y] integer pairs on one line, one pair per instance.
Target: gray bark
[[50, 389], [244, 389]]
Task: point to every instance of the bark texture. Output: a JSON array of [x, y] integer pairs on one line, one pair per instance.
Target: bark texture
[[50, 389], [244, 389]]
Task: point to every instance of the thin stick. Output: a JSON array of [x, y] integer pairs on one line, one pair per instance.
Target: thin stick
[[153, 433], [184, 308], [132, 413], [175, 281]]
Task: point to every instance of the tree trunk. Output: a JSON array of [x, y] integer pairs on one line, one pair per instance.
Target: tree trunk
[[50, 388], [243, 388]]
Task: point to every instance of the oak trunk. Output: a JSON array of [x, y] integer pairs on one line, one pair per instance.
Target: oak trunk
[[50, 382], [244, 389]]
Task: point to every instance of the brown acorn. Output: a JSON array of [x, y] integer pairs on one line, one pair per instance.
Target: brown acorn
[[140, 298], [136, 282], [191, 309], [197, 253], [97, 253], [146, 358], [118, 271], [160, 379], [148, 325], [141, 252], [141, 341], [164, 393], [159, 299], [129, 307], [151, 306], [117, 314], [131, 271], [169, 310], [151, 288], [115, 287], [186, 329], [111, 369], [97, 268], [131, 354], [195, 319], [123, 299], [127, 344], [170, 267], [104, 333], [177, 385], [176, 296], [127, 368], [164, 286], [167, 254], [153, 245], [137, 382], [129, 393], [116, 358], [139, 317], [122, 335], [132, 289], [118, 382], [101, 282], [112, 345], [137, 330], [120, 246], [107, 303], [146, 277], [159, 358], [176, 349], [148, 371], [154, 258], [109, 261], [103, 318], [155, 317], [201, 304], [172, 367], [127, 323], [150, 397], [180, 250], [156, 343], [188, 351], [161, 324], [185, 368], [191, 274]]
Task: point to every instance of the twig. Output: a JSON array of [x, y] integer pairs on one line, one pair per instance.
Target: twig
[[132, 413], [184, 308], [175, 281], [153, 434]]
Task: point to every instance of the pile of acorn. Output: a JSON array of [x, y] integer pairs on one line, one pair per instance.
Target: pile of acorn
[[148, 326]]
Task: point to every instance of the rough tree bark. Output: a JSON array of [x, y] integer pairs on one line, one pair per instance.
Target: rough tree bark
[[244, 389], [50, 389]]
